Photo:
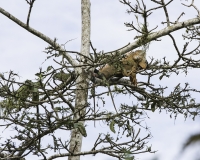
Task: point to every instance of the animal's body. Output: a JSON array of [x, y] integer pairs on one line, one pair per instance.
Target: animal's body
[[127, 66]]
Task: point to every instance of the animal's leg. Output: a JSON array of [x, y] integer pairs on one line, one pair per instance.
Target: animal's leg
[[133, 76]]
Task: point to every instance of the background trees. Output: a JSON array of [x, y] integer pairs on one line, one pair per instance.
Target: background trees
[[155, 67]]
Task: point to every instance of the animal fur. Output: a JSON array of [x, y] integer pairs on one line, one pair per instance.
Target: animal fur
[[127, 66]]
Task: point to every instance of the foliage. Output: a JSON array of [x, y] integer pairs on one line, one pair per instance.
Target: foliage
[[46, 107]]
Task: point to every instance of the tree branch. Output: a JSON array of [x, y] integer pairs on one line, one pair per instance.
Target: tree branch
[[40, 35], [158, 34]]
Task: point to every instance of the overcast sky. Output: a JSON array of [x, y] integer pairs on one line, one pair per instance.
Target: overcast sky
[[22, 52]]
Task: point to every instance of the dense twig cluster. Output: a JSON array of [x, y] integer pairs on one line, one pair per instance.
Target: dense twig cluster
[[42, 109]]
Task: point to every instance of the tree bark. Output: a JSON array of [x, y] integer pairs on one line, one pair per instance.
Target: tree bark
[[82, 84]]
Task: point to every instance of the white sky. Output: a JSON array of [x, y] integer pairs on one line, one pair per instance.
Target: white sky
[[22, 52]]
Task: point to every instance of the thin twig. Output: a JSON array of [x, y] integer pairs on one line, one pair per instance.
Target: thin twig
[[29, 12]]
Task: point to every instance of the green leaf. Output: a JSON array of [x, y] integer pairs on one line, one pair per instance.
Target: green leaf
[[40, 75], [35, 92], [112, 125], [49, 68], [149, 149], [62, 76], [192, 101], [161, 76], [153, 106], [57, 108], [24, 91]]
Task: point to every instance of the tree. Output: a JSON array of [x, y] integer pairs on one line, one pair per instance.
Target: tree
[[58, 99]]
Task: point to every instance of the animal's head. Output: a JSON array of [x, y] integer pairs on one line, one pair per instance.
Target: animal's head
[[139, 56]]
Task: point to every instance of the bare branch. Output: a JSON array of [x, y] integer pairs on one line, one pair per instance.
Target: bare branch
[[166, 13], [160, 33], [29, 12], [192, 5], [40, 35]]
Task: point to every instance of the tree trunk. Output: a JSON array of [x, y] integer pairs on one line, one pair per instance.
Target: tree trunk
[[82, 84]]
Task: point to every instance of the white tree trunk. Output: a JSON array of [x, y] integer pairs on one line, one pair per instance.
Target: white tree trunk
[[82, 84]]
